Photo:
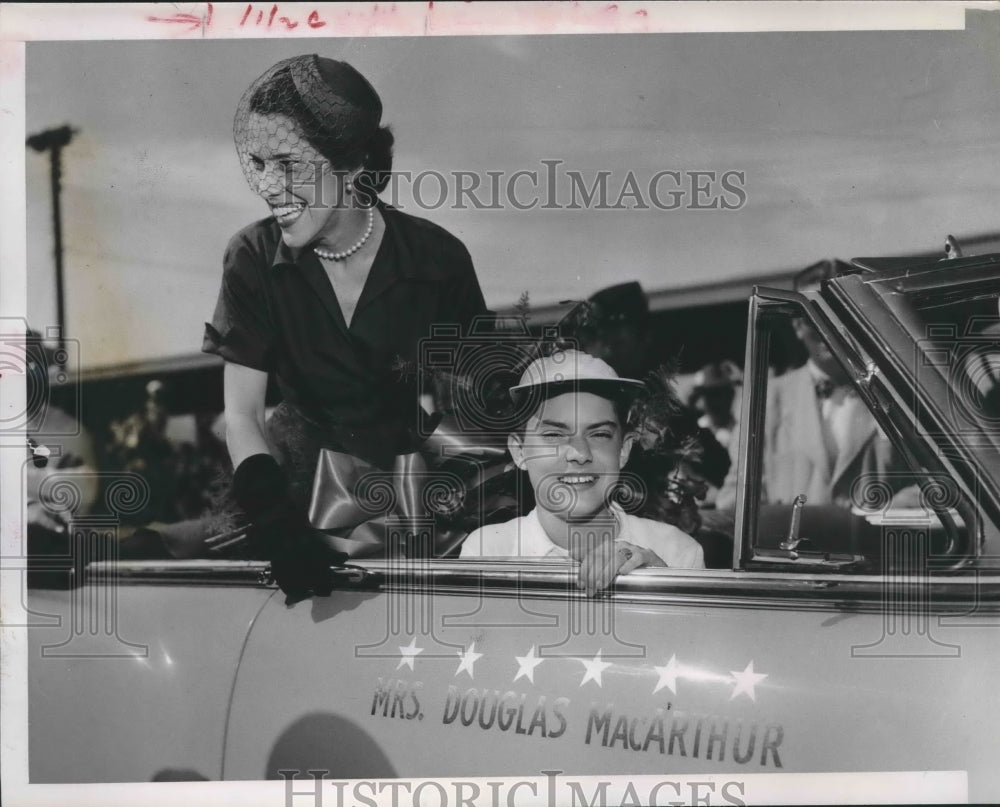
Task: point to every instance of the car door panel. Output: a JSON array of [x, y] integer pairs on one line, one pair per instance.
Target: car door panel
[[130, 682], [672, 684]]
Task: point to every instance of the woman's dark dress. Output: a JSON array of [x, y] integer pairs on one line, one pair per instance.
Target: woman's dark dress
[[341, 386]]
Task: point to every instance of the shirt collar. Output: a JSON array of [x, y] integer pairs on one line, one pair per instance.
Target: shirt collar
[[285, 255], [815, 373], [536, 543], [837, 392]]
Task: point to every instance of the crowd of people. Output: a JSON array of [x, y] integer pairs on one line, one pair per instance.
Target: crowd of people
[[334, 293]]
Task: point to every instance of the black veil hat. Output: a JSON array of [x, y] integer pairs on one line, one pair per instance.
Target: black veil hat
[[334, 106]]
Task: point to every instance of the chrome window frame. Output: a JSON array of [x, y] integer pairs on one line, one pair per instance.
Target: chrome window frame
[[889, 403]]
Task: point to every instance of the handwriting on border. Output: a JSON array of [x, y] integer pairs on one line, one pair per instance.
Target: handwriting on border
[[252, 17]]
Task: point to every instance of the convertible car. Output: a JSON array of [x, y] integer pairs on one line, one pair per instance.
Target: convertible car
[[852, 637]]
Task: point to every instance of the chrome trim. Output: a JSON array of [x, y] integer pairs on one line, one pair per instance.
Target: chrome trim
[[750, 449], [721, 587], [836, 601], [545, 579], [930, 276], [181, 572]]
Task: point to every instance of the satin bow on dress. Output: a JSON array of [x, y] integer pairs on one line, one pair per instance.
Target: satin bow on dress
[[430, 500]]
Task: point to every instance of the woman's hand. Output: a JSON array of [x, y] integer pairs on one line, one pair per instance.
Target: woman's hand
[[280, 530], [300, 565], [608, 559]]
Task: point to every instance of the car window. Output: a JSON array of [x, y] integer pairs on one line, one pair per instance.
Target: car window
[[835, 480]]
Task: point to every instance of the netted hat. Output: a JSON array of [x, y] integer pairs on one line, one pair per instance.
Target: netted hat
[[332, 104]]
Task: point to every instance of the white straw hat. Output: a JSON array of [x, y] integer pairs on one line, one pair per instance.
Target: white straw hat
[[574, 370]]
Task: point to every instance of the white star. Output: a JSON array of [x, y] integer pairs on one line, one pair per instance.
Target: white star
[[409, 653], [594, 669], [526, 665], [668, 675], [746, 681], [468, 658]]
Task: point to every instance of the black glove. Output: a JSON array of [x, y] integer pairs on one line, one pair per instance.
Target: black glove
[[281, 532]]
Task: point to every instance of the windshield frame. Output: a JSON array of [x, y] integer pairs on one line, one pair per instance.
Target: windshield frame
[[890, 329]]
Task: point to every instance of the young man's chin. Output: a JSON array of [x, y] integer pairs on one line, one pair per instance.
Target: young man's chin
[[583, 516]]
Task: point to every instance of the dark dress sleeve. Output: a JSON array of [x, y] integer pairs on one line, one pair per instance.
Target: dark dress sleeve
[[241, 329], [462, 298]]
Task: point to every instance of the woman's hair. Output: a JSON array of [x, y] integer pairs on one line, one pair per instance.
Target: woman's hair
[[373, 154]]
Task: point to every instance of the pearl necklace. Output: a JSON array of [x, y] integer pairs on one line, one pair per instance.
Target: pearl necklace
[[339, 256]]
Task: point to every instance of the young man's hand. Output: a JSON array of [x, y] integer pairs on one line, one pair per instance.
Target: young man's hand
[[602, 563]]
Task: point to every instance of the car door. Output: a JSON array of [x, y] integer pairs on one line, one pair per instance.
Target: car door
[[835, 658], [131, 671], [681, 672]]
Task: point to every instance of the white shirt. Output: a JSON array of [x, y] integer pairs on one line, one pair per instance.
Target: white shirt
[[526, 538], [839, 413]]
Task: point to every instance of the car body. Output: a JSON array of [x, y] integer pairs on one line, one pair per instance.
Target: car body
[[834, 659]]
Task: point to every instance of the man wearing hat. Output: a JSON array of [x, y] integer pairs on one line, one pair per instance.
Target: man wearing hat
[[573, 446], [619, 333], [713, 394]]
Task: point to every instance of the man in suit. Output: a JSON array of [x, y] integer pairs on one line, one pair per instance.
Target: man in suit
[[819, 437]]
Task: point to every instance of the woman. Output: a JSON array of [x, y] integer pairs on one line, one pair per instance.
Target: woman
[[328, 294]]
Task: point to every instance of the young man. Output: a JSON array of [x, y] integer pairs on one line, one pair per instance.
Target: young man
[[573, 447]]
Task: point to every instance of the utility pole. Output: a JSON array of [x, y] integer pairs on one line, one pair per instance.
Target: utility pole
[[54, 141]]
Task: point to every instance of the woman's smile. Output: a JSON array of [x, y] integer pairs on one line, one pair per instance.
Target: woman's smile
[[286, 215]]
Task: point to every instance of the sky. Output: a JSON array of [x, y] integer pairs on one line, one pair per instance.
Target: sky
[[851, 143]]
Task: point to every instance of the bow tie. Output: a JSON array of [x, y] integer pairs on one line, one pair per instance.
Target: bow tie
[[824, 388]]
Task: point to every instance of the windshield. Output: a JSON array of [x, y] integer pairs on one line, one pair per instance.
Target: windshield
[[933, 331], [957, 335]]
